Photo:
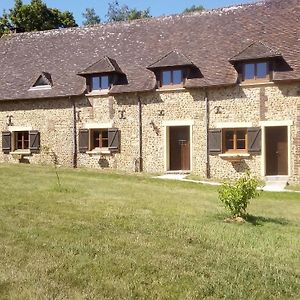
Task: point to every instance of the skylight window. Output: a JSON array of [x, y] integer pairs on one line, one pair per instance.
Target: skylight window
[[44, 82]]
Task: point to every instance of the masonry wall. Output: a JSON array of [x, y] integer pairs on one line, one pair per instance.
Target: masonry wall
[[53, 118]]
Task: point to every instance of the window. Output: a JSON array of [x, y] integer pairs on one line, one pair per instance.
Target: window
[[256, 71], [100, 83], [235, 140], [172, 77], [21, 140], [98, 138]]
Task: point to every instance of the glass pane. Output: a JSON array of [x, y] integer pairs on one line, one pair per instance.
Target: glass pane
[[26, 140], [104, 82], [229, 135], [166, 77], [104, 134], [249, 71], [95, 83], [262, 70], [229, 144], [241, 144], [96, 140], [229, 140], [177, 76], [240, 134]]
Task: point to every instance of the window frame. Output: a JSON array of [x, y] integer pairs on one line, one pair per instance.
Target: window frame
[[235, 140], [172, 84], [255, 78], [102, 139], [100, 76], [22, 140]]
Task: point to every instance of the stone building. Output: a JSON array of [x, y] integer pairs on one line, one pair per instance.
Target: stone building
[[214, 93]]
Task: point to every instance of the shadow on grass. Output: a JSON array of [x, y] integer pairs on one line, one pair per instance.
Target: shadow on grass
[[260, 221]]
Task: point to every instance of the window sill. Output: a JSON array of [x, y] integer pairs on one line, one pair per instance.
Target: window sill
[[234, 156], [98, 93], [170, 89], [21, 152], [259, 83], [99, 151]]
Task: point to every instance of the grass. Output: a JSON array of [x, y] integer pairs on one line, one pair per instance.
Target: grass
[[116, 236], [293, 187]]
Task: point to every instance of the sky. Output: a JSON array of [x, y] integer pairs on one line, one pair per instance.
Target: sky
[[157, 7]]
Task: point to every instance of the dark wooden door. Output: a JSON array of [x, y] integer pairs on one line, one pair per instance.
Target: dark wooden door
[[277, 150], [179, 148]]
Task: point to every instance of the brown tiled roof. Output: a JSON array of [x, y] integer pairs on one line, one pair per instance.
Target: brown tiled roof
[[208, 39], [255, 51], [104, 65], [171, 59]]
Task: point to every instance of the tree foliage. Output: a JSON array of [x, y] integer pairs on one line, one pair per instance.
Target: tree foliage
[[194, 8], [35, 16], [90, 17], [124, 13]]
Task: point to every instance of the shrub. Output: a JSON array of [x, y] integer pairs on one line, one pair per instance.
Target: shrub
[[236, 196]]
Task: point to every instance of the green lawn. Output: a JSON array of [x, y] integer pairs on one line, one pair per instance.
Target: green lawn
[[116, 236]]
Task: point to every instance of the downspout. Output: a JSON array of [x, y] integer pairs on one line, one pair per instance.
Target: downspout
[[73, 101], [207, 162], [140, 159]]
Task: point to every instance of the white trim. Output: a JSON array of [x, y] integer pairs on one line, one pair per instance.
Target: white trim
[[253, 84], [95, 93], [276, 123], [98, 125], [40, 87], [178, 123], [19, 128], [234, 125], [171, 89], [265, 124]]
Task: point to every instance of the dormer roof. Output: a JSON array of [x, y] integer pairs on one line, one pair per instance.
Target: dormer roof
[[171, 59], [256, 50], [104, 65]]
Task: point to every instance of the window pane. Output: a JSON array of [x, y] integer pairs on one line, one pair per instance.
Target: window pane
[[26, 140], [96, 139], [104, 82], [249, 71], [229, 144], [166, 77], [240, 134], [262, 70], [177, 76], [241, 144], [96, 83]]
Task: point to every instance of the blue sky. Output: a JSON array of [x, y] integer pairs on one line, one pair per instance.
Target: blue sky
[[157, 7]]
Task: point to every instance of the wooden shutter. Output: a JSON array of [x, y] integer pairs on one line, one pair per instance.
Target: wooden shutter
[[254, 140], [83, 140], [215, 141], [113, 139], [6, 141], [34, 141]]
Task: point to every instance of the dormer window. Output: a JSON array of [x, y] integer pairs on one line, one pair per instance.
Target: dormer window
[[171, 77], [102, 76], [44, 82], [100, 82], [256, 71]]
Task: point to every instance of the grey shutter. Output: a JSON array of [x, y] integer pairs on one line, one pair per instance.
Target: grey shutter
[[215, 141], [254, 140], [113, 139], [83, 140], [6, 141], [34, 141]]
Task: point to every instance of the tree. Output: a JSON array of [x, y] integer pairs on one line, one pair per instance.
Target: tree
[[35, 16], [194, 8], [117, 13], [90, 16]]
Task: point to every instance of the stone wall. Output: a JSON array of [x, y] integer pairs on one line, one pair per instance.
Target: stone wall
[[53, 118]]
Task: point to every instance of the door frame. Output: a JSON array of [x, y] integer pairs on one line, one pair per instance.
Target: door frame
[[265, 124], [166, 140]]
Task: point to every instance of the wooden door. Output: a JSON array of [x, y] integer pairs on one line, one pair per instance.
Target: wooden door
[[276, 150], [179, 148]]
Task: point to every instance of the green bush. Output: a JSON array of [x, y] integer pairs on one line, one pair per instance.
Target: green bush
[[236, 196]]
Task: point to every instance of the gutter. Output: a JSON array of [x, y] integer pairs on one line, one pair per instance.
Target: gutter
[[207, 162], [140, 159], [73, 101]]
